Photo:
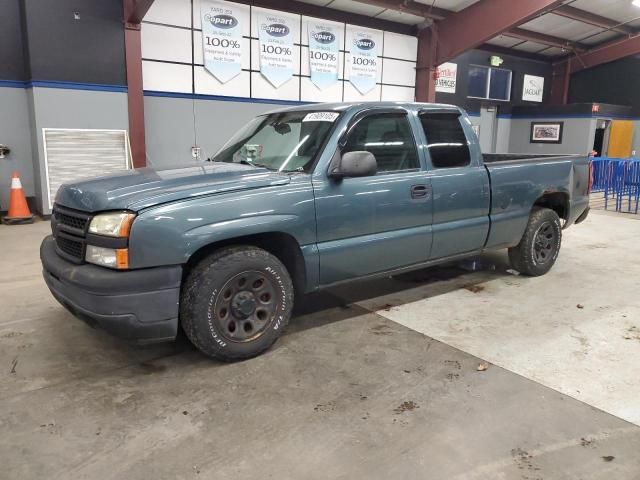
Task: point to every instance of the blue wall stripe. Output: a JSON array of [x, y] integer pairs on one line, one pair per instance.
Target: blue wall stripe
[[198, 96], [98, 87]]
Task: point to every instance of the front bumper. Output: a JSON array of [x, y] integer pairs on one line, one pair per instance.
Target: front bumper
[[139, 305]]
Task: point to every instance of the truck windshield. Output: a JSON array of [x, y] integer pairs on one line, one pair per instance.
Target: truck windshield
[[283, 142]]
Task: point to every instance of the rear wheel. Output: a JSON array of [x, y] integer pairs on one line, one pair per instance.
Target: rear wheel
[[539, 247], [236, 303]]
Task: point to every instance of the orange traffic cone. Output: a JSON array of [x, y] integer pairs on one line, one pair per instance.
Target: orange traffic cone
[[18, 209]]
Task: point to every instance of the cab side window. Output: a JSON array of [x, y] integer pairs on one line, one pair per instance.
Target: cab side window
[[446, 140], [389, 138]]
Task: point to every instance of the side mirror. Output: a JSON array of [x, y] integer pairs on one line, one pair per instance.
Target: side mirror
[[353, 164]]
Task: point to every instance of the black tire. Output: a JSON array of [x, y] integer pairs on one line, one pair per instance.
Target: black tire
[[539, 247], [236, 302]]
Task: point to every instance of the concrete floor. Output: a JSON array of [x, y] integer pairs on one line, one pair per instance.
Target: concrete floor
[[377, 380]]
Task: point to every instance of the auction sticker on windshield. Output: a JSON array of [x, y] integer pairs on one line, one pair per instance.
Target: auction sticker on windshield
[[320, 117]]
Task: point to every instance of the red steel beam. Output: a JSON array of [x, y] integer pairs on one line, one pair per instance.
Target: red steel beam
[[583, 16], [135, 10], [484, 20], [426, 67], [544, 39], [605, 53], [135, 96]]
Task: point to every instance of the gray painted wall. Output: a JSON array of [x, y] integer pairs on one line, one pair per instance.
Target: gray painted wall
[[15, 132], [62, 108], [577, 137], [174, 125]]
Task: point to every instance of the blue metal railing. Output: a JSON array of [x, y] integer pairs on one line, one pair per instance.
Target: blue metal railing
[[618, 179]]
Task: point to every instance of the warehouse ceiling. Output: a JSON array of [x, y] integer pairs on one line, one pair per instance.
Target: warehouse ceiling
[[572, 26]]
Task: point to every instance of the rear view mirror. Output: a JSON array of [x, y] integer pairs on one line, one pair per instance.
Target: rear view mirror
[[354, 164]]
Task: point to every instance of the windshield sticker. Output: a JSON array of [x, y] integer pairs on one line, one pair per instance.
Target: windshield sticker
[[321, 117]]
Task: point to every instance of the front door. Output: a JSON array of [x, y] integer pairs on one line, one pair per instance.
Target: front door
[[373, 224]]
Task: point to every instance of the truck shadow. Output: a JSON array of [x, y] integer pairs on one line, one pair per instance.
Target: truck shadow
[[351, 300]]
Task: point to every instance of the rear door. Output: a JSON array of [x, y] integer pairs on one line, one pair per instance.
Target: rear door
[[377, 223], [460, 183]]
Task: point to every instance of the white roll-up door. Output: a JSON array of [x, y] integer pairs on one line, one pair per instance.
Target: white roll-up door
[[72, 155]]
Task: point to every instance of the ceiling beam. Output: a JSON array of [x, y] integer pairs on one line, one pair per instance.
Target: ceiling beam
[[484, 20], [592, 19], [605, 53], [135, 10], [544, 39], [410, 7]]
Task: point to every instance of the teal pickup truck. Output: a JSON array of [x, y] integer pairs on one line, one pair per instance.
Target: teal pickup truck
[[298, 200]]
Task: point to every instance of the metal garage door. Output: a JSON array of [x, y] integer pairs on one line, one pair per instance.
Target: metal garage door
[[73, 155]]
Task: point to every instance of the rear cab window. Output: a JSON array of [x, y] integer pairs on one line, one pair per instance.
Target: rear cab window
[[446, 140]]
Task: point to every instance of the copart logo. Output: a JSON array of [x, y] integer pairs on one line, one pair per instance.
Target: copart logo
[[276, 30], [324, 37], [223, 21], [365, 44]]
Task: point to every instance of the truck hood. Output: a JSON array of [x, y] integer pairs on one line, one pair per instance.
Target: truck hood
[[138, 189]]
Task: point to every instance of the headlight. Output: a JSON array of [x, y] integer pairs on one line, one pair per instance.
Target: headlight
[[107, 257], [115, 224]]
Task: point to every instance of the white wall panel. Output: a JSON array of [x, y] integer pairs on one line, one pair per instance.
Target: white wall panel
[[400, 46], [295, 21], [261, 88], [166, 77], [166, 43], [311, 93], [174, 45], [242, 10], [198, 56], [171, 12], [207, 84], [392, 93], [351, 94], [398, 72]]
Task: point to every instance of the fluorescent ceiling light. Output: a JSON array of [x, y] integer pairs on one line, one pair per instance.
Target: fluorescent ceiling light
[[636, 3]]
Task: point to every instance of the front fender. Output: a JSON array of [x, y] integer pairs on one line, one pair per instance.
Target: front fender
[[170, 234]]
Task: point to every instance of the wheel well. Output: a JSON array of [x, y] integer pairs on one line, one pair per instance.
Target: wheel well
[[557, 201], [281, 245]]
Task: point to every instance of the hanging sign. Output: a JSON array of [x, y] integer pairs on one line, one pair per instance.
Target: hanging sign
[[276, 48], [323, 54], [446, 78], [221, 39], [533, 88], [364, 62]]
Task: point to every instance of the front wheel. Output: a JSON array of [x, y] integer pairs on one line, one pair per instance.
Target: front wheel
[[539, 247], [236, 302]]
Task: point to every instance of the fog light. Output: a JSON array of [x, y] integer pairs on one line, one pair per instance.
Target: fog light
[[107, 257]]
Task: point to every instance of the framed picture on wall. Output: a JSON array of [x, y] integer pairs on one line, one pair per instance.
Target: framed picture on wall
[[546, 132]]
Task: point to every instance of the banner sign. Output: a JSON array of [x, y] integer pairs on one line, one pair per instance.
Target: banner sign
[[323, 54], [221, 39], [364, 62], [446, 78], [533, 88], [276, 48]]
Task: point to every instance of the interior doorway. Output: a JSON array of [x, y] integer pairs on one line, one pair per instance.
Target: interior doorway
[[488, 127], [601, 138]]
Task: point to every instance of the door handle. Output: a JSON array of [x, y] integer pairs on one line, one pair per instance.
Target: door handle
[[420, 191]]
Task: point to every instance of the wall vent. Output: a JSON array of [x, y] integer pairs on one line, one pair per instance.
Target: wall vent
[[73, 155]]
